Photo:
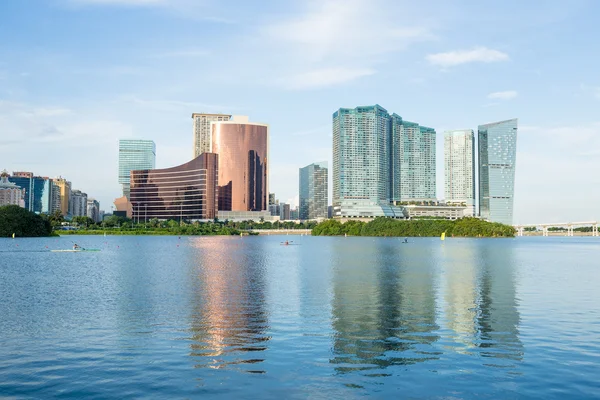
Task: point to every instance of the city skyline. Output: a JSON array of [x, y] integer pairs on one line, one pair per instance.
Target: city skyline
[[65, 105]]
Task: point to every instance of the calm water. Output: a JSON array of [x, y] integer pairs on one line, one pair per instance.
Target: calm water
[[162, 317]]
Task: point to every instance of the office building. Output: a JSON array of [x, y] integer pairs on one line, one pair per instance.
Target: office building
[[38, 191], [134, 154], [313, 191], [242, 147], [202, 131], [284, 212], [78, 204], [184, 192], [459, 169], [64, 189], [10, 193], [271, 198], [93, 210], [295, 214], [497, 157], [379, 161], [412, 161]]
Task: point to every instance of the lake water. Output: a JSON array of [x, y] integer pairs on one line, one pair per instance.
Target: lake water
[[191, 317]]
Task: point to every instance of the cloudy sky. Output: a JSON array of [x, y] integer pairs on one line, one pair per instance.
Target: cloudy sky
[[77, 75]]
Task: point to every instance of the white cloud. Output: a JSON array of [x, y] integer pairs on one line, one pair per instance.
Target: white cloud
[[506, 95], [458, 57], [336, 41], [324, 77]]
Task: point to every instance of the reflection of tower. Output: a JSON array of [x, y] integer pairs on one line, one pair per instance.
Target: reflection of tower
[[229, 320], [460, 270], [388, 306], [497, 315]]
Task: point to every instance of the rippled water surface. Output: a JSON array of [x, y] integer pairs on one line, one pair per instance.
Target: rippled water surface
[[190, 317]]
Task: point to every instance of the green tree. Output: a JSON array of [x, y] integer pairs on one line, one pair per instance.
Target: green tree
[[23, 223]]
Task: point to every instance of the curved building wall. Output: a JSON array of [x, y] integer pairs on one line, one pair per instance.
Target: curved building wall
[[187, 191], [242, 178]]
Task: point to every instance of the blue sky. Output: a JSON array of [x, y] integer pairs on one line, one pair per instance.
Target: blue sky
[[77, 75]]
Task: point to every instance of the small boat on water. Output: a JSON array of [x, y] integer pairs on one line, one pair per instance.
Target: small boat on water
[[73, 250]]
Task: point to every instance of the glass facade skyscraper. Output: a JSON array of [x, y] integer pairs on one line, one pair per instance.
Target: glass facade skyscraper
[[134, 154], [188, 191], [313, 191], [459, 168], [412, 152], [38, 192], [497, 157], [202, 131], [242, 147], [379, 159], [360, 155]]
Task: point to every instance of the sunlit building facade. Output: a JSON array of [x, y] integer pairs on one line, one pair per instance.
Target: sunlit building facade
[[313, 191], [185, 192], [78, 204], [10, 193], [242, 147], [64, 188], [202, 130], [412, 161], [134, 154], [459, 168], [380, 160], [497, 157]]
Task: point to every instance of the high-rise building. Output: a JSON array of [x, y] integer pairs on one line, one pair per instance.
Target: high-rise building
[[242, 147], [284, 212], [78, 204], [38, 191], [134, 154], [412, 161], [271, 198], [184, 192], [380, 160], [459, 168], [10, 193], [313, 191], [93, 210], [202, 131], [55, 202], [497, 157], [64, 188]]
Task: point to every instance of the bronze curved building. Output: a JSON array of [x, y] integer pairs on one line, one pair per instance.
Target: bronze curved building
[[242, 147], [188, 191]]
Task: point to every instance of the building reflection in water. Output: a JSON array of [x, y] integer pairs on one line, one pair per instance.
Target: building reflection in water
[[384, 308], [229, 320], [498, 318], [480, 300]]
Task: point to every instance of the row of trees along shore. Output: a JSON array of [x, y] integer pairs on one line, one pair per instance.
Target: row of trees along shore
[[464, 227], [115, 225], [23, 223]]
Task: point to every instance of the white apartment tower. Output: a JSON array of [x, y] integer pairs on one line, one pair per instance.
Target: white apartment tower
[[202, 132], [459, 168]]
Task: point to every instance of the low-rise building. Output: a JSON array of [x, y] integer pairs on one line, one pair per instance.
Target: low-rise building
[[10, 193], [439, 210]]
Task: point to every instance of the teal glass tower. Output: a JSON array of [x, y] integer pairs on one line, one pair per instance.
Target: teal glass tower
[[412, 152], [497, 157], [134, 154], [313, 191], [378, 161]]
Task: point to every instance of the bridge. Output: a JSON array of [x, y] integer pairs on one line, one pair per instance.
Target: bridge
[[568, 225]]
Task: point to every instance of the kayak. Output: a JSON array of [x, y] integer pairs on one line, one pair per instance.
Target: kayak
[[73, 251]]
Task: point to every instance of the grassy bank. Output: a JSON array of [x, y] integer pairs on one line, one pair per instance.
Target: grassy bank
[[465, 227]]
